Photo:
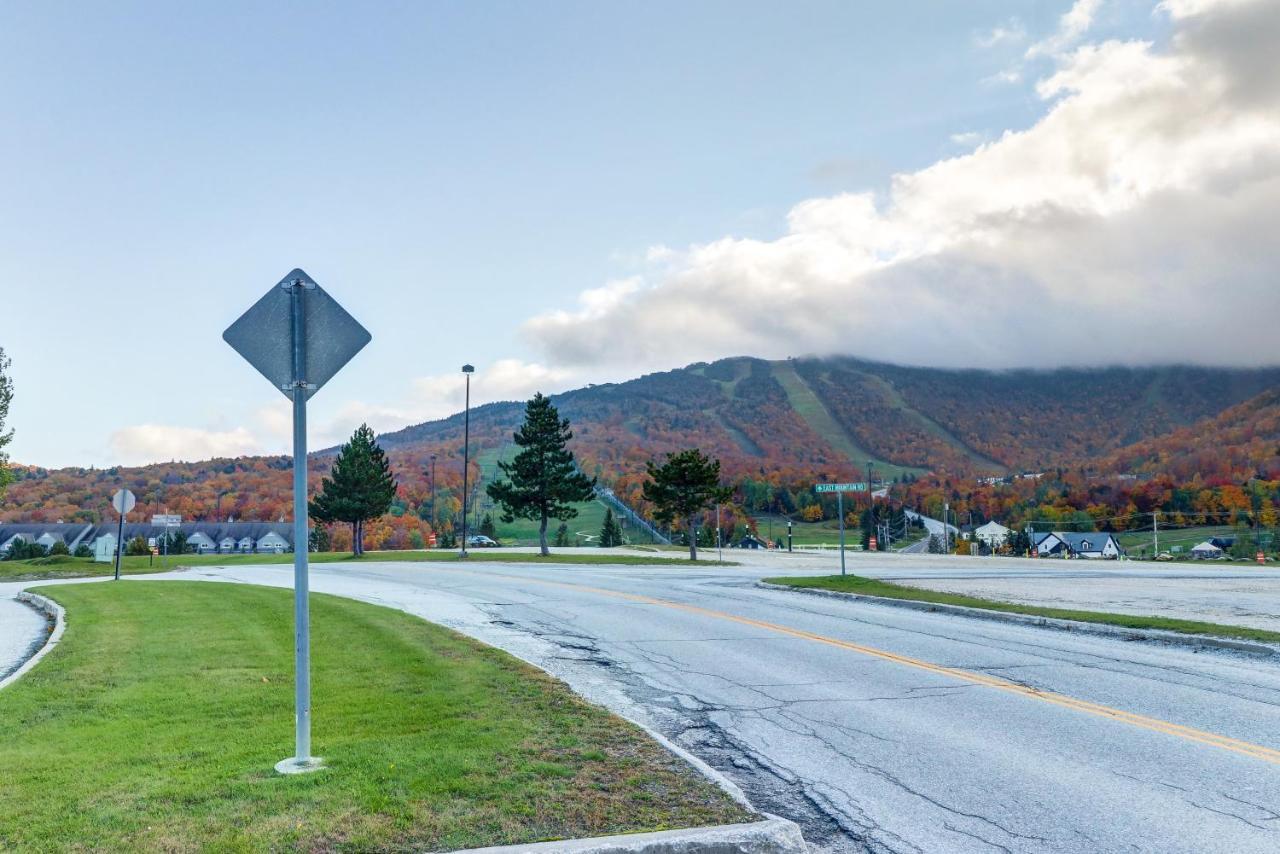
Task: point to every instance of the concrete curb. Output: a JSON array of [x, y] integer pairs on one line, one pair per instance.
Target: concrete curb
[[772, 836], [1102, 629], [57, 616]]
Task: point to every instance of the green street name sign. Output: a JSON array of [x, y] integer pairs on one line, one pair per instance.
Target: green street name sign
[[840, 487]]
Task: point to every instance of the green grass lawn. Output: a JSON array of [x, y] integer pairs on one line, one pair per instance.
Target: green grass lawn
[[1138, 544], [41, 569], [156, 723], [826, 532], [874, 587]]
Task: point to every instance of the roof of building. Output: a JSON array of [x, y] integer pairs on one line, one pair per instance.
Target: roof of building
[[1206, 546], [1089, 541], [216, 531]]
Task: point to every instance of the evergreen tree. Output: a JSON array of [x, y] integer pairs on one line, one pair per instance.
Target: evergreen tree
[[359, 487], [562, 537], [610, 531], [542, 482], [682, 487], [487, 528]]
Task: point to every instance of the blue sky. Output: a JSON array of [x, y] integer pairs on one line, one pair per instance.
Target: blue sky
[[449, 171]]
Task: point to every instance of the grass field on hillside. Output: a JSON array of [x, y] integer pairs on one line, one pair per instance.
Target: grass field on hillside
[[826, 532], [874, 587], [1139, 543], [156, 723]]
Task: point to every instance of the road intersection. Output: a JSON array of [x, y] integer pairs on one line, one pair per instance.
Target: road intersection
[[880, 729]]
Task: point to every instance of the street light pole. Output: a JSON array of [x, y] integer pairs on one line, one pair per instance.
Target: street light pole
[[468, 370]]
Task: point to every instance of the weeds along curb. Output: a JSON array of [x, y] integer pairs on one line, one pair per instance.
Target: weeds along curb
[[1120, 632], [57, 624]]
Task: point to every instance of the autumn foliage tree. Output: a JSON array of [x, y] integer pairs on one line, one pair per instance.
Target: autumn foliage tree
[[683, 487], [543, 481], [360, 486]]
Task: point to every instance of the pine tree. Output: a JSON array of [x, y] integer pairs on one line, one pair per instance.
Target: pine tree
[[562, 536], [610, 531], [359, 487], [682, 487], [487, 528], [543, 481]]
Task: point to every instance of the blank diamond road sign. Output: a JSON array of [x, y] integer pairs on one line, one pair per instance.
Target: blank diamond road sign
[[264, 336]]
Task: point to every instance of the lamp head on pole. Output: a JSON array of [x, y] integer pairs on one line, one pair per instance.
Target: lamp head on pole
[[468, 369]]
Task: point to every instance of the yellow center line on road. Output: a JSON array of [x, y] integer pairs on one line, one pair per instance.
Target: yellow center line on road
[[1245, 748]]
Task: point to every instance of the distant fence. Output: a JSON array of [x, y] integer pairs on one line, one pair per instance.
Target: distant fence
[[612, 501]]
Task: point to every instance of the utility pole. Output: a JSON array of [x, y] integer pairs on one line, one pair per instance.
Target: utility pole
[[468, 370], [870, 500], [788, 535], [946, 531], [1155, 533]]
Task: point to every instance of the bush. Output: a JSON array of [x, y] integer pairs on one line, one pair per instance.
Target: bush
[[83, 550], [22, 550], [59, 548], [137, 546]]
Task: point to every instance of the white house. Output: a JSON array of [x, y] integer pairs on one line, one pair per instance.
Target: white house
[[993, 534], [1091, 545], [1048, 543], [272, 543], [201, 542], [245, 544]]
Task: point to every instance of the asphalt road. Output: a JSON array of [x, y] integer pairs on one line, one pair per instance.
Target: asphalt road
[[881, 729]]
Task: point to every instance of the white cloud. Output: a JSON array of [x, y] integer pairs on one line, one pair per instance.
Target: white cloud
[[1131, 223], [968, 138], [1073, 24], [1010, 32], [149, 443]]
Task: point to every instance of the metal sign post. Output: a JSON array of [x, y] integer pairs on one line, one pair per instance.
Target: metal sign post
[[123, 501], [165, 521], [298, 337], [840, 489]]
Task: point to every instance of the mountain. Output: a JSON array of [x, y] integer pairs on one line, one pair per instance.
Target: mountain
[[789, 422], [1241, 443]]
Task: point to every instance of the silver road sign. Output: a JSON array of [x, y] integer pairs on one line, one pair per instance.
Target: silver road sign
[[298, 337], [263, 335]]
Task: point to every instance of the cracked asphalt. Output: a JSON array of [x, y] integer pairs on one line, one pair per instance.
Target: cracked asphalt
[[881, 729]]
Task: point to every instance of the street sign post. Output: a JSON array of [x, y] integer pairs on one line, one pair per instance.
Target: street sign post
[[123, 501], [840, 489], [298, 337], [166, 521]]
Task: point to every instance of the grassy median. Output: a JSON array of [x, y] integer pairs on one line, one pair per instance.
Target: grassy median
[[62, 566], [155, 724], [874, 587]]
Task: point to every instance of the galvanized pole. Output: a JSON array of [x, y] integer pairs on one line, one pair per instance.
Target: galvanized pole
[[840, 510], [719, 549], [466, 455], [302, 759], [120, 543]]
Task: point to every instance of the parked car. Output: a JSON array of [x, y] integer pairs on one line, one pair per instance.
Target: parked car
[[480, 541]]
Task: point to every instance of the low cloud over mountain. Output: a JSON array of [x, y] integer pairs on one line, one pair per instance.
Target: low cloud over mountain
[[1133, 223]]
